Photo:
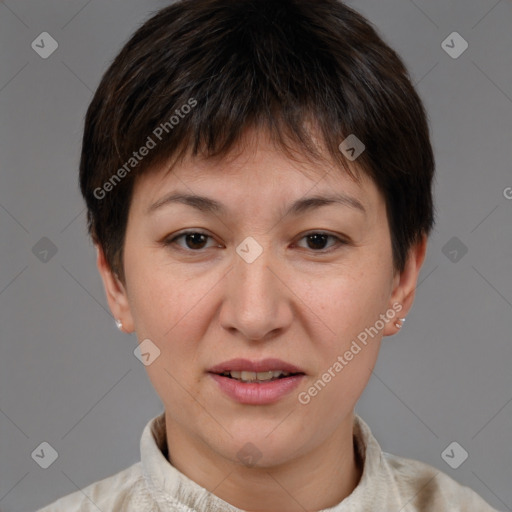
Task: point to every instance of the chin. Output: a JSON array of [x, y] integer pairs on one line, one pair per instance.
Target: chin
[[261, 448]]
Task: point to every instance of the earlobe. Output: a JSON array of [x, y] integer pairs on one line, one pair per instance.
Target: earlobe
[[115, 292], [405, 284]]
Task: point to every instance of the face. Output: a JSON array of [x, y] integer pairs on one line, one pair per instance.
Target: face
[[257, 278]]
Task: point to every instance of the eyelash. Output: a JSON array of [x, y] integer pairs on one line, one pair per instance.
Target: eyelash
[[171, 241]]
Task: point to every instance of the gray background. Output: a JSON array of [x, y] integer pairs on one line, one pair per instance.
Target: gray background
[[68, 377]]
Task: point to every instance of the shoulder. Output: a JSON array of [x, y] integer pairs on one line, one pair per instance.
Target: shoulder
[[120, 491], [424, 487]]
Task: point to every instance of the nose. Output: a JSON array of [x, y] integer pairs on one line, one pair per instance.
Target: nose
[[257, 302]]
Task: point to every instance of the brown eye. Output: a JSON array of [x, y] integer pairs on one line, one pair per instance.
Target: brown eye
[[316, 241], [194, 240]]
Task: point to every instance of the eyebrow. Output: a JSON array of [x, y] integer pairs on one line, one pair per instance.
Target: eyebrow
[[208, 205]]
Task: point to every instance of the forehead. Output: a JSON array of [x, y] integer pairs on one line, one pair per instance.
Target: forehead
[[259, 170]]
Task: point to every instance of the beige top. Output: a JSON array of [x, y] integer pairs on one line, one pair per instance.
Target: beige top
[[388, 484]]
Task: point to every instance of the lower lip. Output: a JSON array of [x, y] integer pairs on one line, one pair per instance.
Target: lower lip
[[255, 393]]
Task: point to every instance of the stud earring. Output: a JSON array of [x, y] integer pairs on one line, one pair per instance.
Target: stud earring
[[119, 324], [399, 325]]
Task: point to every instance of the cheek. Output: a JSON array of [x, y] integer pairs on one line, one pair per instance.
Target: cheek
[[347, 340], [349, 300], [169, 308], [155, 291]]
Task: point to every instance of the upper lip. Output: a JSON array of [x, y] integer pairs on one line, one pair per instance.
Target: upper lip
[[264, 365]]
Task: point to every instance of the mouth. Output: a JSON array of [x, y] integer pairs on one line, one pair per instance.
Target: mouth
[[259, 377], [266, 370], [263, 382]]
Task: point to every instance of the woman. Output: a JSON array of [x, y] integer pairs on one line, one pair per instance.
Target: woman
[[258, 178]]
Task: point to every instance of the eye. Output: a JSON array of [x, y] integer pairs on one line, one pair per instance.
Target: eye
[[316, 240], [194, 240]]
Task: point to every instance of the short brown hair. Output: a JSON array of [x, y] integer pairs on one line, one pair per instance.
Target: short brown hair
[[265, 64]]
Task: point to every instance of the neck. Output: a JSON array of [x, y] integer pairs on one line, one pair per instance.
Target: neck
[[316, 479]]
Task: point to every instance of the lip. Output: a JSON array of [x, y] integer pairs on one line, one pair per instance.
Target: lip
[[257, 393], [240, 365]]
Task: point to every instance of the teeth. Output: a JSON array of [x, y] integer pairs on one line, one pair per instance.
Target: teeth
[[256, 376]]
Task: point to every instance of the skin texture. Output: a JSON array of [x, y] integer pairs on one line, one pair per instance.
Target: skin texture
[[301, 301]]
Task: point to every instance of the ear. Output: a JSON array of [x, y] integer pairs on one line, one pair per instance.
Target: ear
[[115, 291], [404, 284]]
